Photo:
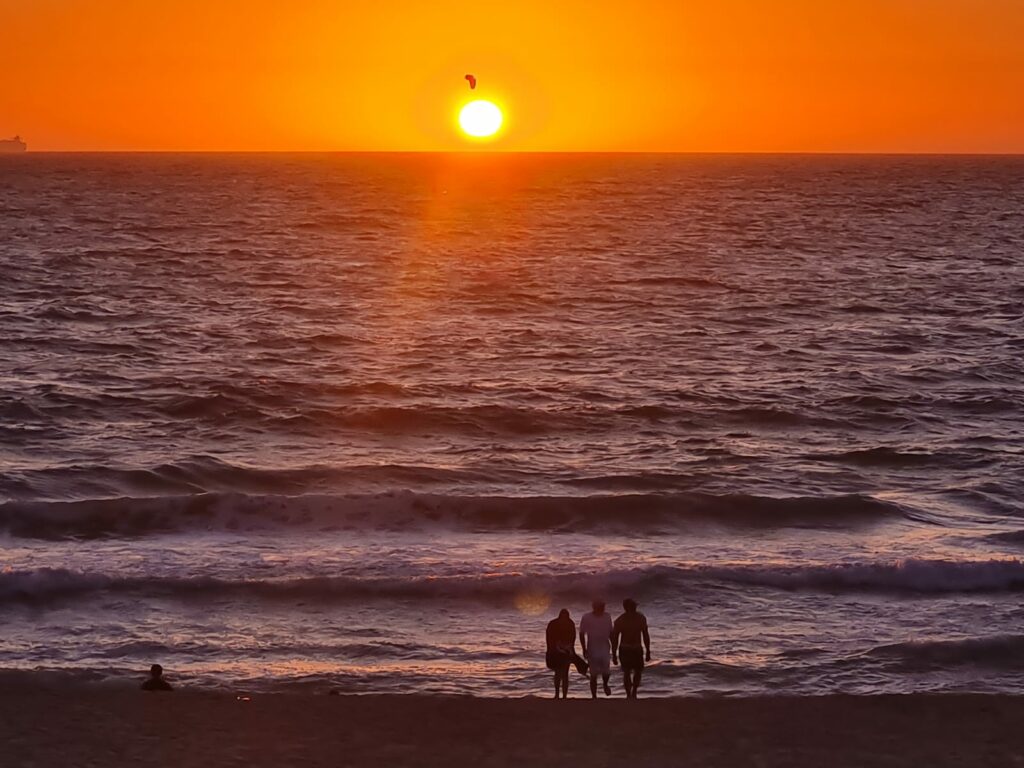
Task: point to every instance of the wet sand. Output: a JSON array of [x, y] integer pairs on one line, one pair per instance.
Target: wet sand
[[129, 728]]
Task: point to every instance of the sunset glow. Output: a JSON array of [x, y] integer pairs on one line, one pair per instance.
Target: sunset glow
[[729, 75]]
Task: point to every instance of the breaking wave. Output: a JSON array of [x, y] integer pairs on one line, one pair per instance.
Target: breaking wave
[[998, 652], [231, 511], [922, 577], [912, 576]]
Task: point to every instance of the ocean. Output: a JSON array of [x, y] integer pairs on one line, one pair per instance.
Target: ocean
[[367, 422]]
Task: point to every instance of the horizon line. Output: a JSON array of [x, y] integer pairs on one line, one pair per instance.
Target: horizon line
[[471, 152]]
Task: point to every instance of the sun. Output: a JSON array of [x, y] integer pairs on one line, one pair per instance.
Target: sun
[[480, 119]]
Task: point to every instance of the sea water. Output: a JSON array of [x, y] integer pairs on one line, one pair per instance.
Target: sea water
[[367, 422]]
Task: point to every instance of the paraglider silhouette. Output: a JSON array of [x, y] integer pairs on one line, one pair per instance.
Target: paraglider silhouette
[[472, 82]]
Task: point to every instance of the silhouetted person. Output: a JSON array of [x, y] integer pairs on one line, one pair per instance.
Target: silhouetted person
[[629, 630], [595, 638], [561, 653], [156, 681]]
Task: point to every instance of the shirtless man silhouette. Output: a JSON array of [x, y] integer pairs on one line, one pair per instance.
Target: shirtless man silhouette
[[627, 633]]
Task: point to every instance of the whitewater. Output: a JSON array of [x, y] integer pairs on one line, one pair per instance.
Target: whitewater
[[367, 422]]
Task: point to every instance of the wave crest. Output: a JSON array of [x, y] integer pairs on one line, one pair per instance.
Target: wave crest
[[998, 652], [925, 577], [646, 512]]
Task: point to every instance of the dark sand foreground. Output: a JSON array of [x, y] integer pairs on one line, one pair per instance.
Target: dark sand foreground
[[128, 728]]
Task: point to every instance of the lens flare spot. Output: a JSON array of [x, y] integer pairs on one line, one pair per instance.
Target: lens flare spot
[[532, 603]]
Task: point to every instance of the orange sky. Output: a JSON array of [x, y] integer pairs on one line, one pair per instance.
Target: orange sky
[[646, 75]]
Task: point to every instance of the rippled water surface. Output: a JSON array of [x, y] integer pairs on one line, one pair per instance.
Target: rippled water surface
[[367, 422]]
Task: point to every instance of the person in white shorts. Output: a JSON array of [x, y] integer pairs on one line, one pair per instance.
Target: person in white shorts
[[596, 639]]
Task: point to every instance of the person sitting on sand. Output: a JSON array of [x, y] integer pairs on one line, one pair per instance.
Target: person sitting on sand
[[561, 653], [156, 681], [596, 638], [629, 629]]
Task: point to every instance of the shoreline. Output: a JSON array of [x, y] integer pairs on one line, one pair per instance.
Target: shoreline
[[114, 728]]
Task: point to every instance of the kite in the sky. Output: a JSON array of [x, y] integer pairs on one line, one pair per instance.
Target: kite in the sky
[[472, 82]]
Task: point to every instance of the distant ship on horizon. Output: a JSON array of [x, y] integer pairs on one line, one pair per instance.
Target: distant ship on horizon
[[11, 146]]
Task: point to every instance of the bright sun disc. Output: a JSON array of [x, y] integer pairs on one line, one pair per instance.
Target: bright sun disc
[[480, 119]]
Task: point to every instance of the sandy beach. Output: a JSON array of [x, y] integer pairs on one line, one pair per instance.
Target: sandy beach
[[127, 728]]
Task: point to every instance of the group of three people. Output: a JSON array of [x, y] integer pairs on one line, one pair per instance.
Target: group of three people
[[603, 643]]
